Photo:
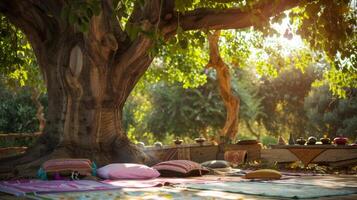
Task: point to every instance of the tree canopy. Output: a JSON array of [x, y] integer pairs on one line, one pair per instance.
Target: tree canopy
[[327, 26]]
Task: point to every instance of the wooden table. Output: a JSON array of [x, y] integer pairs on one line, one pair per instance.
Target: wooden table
[[199, 153], [331, 155]]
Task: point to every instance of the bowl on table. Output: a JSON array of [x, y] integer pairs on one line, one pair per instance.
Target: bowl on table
[[340, 140]]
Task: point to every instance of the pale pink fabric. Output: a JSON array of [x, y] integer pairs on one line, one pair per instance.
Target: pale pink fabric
[[127, 171]]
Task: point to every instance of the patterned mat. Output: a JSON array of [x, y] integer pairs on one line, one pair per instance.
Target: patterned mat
[[23, 187], [272, 189], [146, 193]]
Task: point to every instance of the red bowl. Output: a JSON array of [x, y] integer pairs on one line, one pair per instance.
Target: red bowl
[[340, 141]]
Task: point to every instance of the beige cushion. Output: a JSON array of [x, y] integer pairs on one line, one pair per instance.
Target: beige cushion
[[265, 174]]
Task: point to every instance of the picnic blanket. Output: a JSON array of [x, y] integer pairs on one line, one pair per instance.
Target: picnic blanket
[[161, 193], [299, 188], [273, 189], [23, 187]]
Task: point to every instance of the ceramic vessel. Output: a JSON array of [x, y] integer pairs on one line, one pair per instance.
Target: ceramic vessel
[[158, 144], [325, 140], [340, 140], [311, 140], [291, 139], [178, 141], [200, 140], [301, 141]]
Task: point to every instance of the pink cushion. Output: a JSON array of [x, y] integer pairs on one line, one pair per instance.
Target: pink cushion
[[127, 171], [180, 168]]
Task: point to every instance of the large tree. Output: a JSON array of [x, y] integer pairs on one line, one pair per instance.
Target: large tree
[[93, 52]]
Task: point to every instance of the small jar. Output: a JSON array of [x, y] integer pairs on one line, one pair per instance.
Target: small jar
[[340, 140], [301, 141], [200, 140], [178, 141], [325, 140], [311, 140]]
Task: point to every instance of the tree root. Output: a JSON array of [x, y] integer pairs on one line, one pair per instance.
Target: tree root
[[33, 153], [26, 165], [125, 151]]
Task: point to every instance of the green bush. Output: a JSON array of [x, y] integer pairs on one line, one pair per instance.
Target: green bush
[[268, 140], [17, 111]]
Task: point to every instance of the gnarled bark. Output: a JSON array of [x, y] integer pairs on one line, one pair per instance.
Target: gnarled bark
[[87, 83], [232, 102]]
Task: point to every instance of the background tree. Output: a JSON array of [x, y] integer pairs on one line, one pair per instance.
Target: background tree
[[189, 112], [332, 116], [283, 101]]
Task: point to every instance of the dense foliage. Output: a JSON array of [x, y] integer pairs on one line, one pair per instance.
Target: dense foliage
[[283, 101], [331, 116], [18, 64], [17, 111]]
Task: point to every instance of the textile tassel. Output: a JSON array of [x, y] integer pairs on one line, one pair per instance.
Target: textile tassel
[[41, 174], [94, 169]]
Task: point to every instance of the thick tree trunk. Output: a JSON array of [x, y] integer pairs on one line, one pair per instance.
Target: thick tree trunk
[[84, 116], [232, 102], [88, 77]]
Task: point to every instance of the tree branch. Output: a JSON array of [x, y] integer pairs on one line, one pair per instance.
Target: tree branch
[[231, 102], [251, 130], [126, 65], [233, 18], [32, 17]]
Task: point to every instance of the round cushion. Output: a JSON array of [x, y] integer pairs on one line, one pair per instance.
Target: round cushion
[[265, 174]]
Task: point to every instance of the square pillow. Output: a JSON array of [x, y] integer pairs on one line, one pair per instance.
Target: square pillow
[[180, 168], [66, 166], [127, 171]]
